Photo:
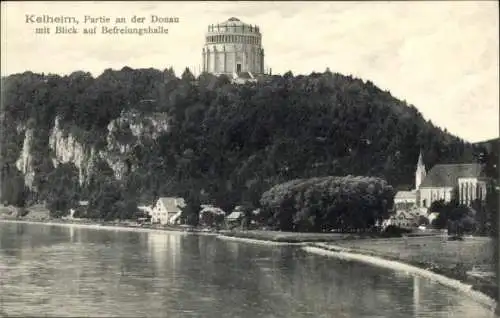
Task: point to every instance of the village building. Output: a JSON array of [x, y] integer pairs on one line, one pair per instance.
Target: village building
[[167, 210], [405, 200], [401, 219], [235, 217]]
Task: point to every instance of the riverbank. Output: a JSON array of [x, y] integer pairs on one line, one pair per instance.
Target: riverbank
[[109, 226]]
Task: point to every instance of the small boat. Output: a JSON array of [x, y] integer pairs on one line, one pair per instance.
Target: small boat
[[481, 271]]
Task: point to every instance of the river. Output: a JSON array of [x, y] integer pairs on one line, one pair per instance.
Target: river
[[67, 271]]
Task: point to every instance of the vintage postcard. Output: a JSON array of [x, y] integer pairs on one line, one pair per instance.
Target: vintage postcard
[[249, 159]]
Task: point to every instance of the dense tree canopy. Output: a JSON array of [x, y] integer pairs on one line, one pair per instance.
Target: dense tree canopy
[[326, 203]]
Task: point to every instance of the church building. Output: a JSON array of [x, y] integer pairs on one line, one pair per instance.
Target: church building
[[443, 182]]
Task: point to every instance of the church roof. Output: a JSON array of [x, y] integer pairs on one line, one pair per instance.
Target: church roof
[[446, 175]]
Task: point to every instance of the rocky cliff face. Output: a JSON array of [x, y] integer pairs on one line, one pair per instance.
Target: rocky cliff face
[[128, 130], [124, 133], [66, 149], [25, 161]]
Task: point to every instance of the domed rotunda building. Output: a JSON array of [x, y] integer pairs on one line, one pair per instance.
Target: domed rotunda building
[[233, 48]]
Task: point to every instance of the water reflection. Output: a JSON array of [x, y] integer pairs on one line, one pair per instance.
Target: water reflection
[[57, 271], [164, 250], [416, 295]]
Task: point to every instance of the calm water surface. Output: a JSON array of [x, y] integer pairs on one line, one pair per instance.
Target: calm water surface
[[69, 271]]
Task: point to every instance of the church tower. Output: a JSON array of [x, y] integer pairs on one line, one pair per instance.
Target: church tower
[[420, 173]]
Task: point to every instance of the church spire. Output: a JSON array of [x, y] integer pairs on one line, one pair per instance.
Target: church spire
[[420, 172], [420, 159]]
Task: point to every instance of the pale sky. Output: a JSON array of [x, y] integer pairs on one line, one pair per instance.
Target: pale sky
[[442, 57]]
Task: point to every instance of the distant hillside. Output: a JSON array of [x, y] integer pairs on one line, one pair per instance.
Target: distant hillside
[[490, 150], [490, 145], [132, 135]]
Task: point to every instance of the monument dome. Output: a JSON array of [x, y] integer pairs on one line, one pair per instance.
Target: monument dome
[[233, 48]]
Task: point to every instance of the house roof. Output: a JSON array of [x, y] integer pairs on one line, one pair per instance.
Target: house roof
[[211, 209], [406, 195], [172, 204], [446, 175], [234, 215]]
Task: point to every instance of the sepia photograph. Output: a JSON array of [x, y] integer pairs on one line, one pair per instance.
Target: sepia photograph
[[249, 159]]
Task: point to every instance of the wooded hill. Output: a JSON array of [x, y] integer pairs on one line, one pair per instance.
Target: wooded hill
[[226, 144]]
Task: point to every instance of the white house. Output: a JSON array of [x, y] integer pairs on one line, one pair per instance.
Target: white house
[[167, 210], [405, 200]]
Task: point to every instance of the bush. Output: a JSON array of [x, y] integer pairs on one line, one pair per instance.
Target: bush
[[394, 231]]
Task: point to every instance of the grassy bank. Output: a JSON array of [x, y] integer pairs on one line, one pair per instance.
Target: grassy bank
[[301, 237], [452, 259], [287, 237]]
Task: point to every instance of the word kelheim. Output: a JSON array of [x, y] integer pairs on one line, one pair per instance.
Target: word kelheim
[[45, 18]]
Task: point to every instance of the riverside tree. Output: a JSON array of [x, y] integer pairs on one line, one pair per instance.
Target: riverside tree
[[326, 203]]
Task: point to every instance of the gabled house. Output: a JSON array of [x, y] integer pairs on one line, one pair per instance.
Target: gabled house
[[235, 217], [167, 210]]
